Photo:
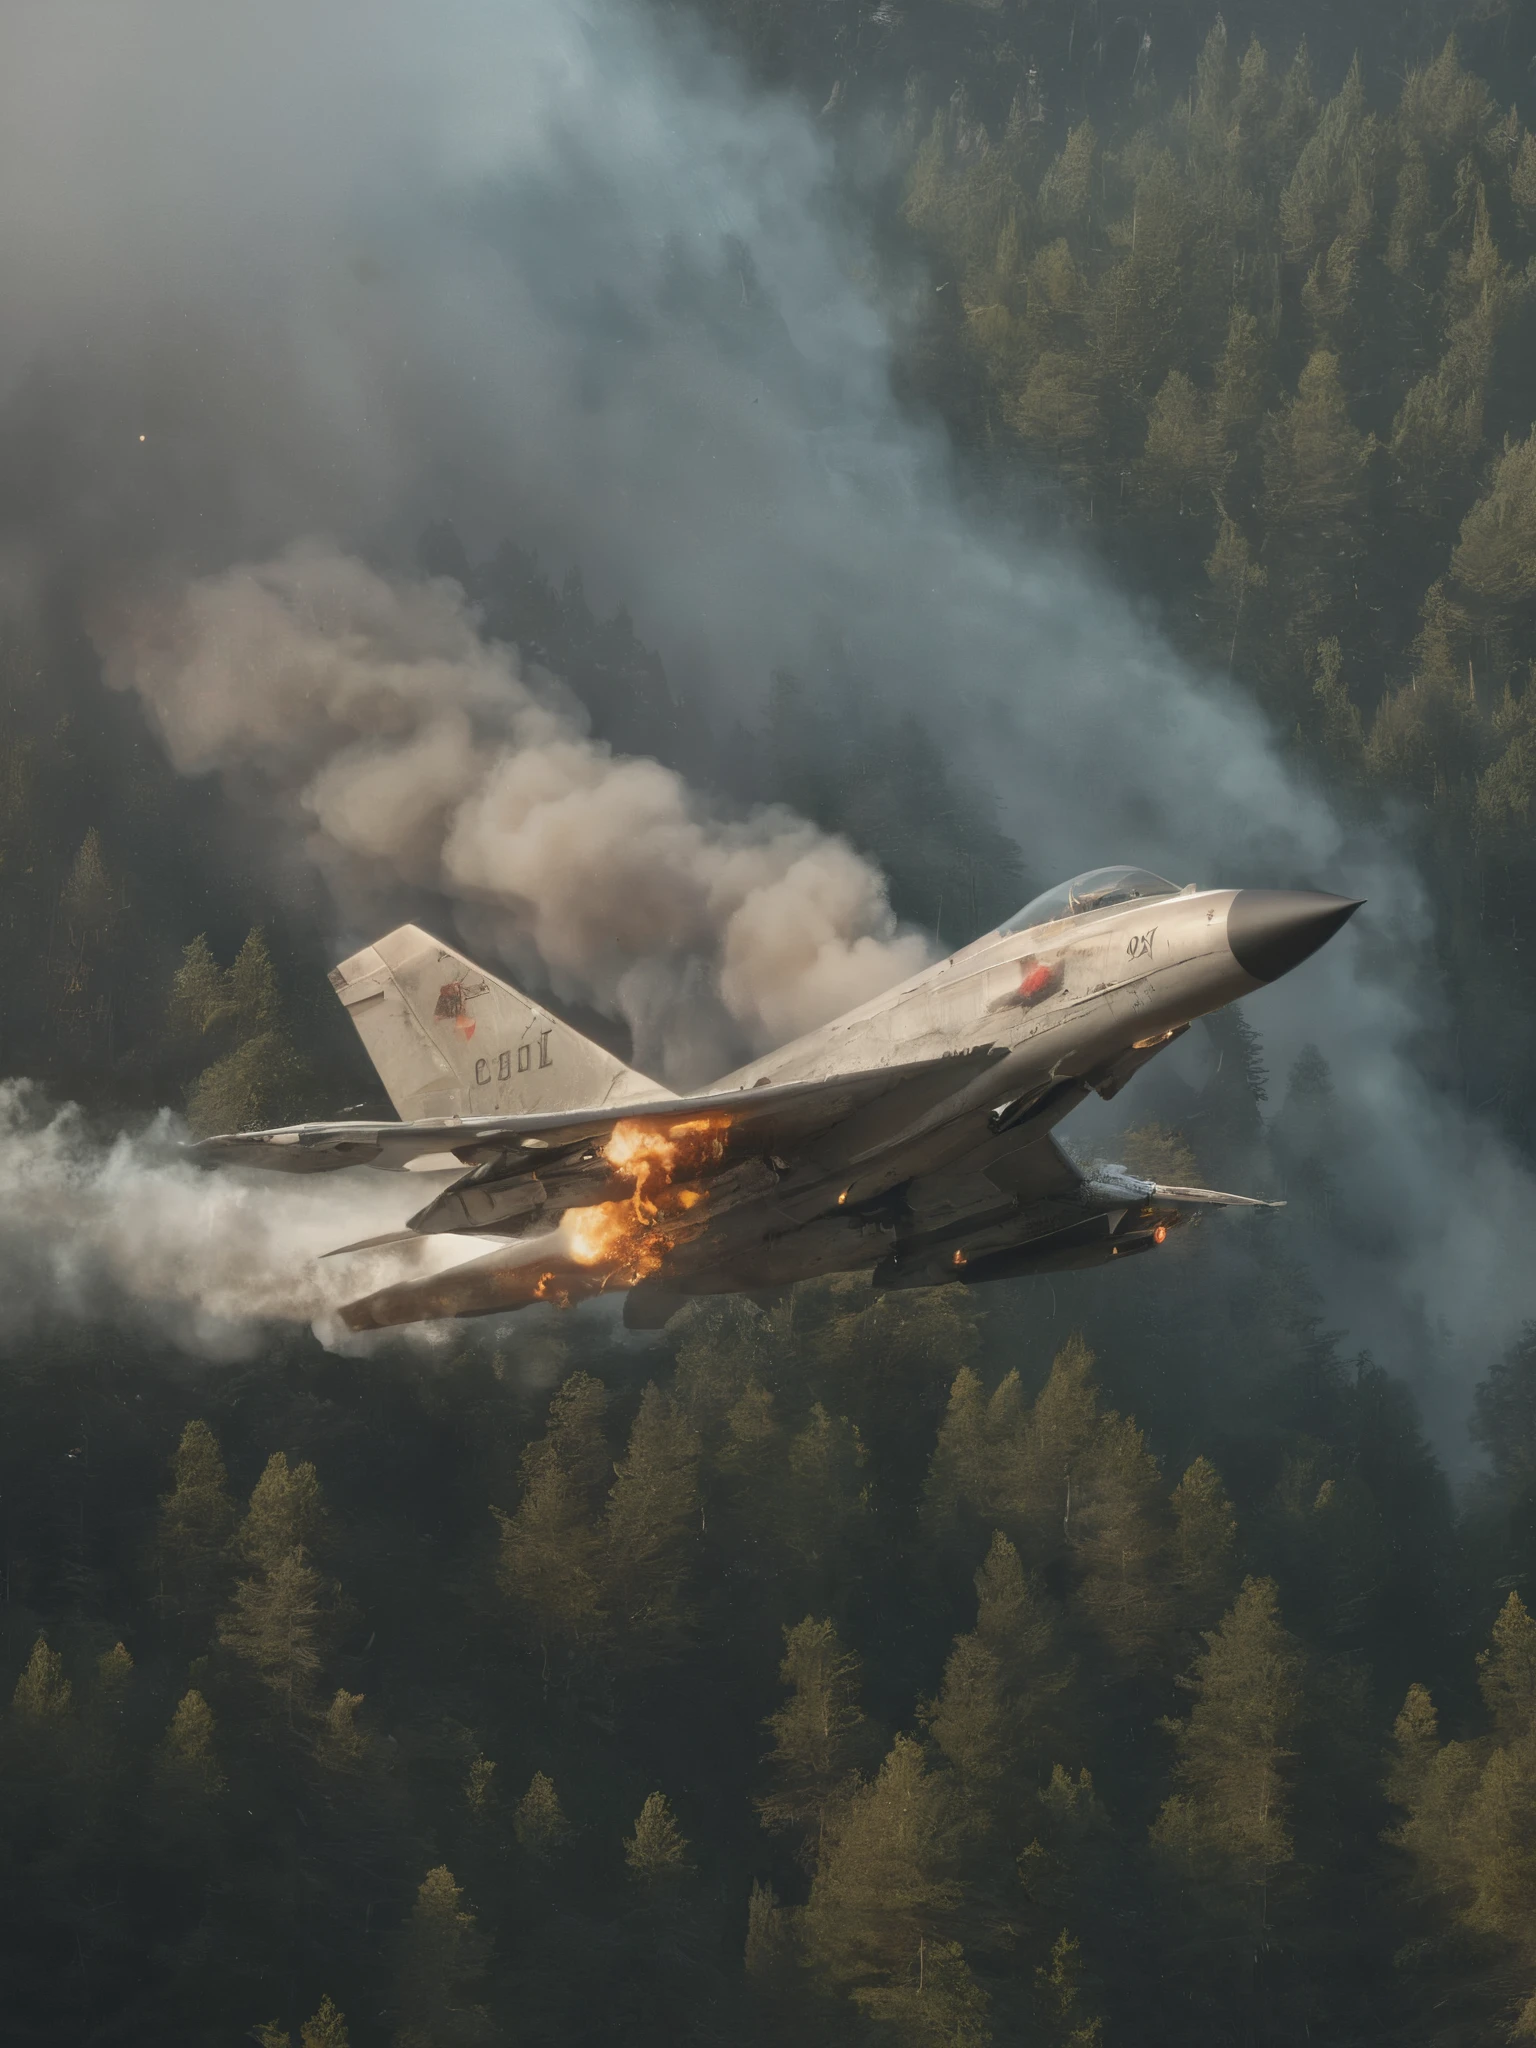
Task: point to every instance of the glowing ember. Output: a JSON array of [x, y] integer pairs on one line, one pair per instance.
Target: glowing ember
[[631, 1236]]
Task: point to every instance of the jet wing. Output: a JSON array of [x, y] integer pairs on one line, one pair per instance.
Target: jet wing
[[773, 1116]]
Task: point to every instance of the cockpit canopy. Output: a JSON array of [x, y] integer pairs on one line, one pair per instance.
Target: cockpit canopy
[[1099, 889]]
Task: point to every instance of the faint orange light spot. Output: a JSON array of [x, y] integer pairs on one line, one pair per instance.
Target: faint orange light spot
[[1160, 1235]]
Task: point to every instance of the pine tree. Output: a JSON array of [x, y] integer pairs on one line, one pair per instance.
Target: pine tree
[[649, 1531], [1315, 473], [252, 984], [250, 1083], [1204, 1545], [1116, 1536], [1242, 378], [961, 1484], [43, 1694], [1066, 190], [341, 1745], [827, 1499], [656, 1852], [1228, 1830], [199, 997], [549, 1561], [274, 1626], [1495, 558], [888, 1898], [196, 1518], [817, 1735], [1230, 1103], [1507, 786], [480, 1786], [770, 1938], [1058, 1985], [1504, 1411], [1343, 730], [1415, 1746], [328, 2028], [442, 1960], [1522, 177], [1182, 466], [86, 901], [998, 1712], [286, 1513], [247, 1089], [1159, 1153], [1328, 172], [1059, 410], [1444, 110], [1020, 1623], [539, 1822], [1506, 1672], [970, 1721], [188, 1761], [1062, 1427], [575, 1429], [1139, 303], [114, 1671], [1410, 233], [1427, 735], [1234, 577]]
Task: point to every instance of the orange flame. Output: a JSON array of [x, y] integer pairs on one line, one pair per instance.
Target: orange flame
[[630, 1236]]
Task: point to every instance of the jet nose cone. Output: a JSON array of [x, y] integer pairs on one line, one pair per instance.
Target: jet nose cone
[[1270, 931]]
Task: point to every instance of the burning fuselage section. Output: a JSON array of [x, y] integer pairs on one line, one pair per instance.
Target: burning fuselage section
[[654, 1187]]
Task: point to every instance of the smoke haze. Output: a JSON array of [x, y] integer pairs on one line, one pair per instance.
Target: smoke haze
[[129, 1228], [295, 273], [375, 715]]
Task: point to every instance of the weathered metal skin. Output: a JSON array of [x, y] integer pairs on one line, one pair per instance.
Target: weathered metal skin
[[910, 1138]]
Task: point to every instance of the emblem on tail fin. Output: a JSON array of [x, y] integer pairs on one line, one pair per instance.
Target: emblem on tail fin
[[452, 1000]]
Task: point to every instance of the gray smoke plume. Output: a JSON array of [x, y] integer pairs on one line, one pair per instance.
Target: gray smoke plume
[[128, 1229], [276, 270], [374, 716]]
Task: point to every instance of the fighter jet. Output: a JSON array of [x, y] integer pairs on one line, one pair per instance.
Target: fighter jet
[[912, 1138]]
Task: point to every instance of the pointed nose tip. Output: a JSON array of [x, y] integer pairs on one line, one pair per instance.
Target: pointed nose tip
[[1270, 931]]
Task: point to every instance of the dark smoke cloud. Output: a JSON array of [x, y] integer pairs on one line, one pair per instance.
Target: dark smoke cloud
[[548, 270]]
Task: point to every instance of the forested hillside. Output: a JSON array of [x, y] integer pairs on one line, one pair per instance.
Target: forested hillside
[[845, 1680], [1072, 1662]]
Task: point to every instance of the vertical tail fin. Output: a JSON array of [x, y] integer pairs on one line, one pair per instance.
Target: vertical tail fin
[[448, 1039]]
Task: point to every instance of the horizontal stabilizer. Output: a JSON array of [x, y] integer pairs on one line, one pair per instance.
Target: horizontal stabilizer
[[1211, 1198], [1116, 1184], [372, 1244]]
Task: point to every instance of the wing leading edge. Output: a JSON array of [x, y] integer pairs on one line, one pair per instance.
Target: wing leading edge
[[790, 1110]]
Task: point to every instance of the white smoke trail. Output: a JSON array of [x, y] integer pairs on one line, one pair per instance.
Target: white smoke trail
[[415, 751], [130, 1230]]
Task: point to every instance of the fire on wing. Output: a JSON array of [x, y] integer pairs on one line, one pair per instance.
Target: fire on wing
[[603, 1249]]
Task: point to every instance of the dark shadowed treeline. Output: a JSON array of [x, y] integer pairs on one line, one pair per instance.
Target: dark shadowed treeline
[[862, 1675]]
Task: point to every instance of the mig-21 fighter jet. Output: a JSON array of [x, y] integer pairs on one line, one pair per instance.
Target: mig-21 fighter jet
[[911, 1138]]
